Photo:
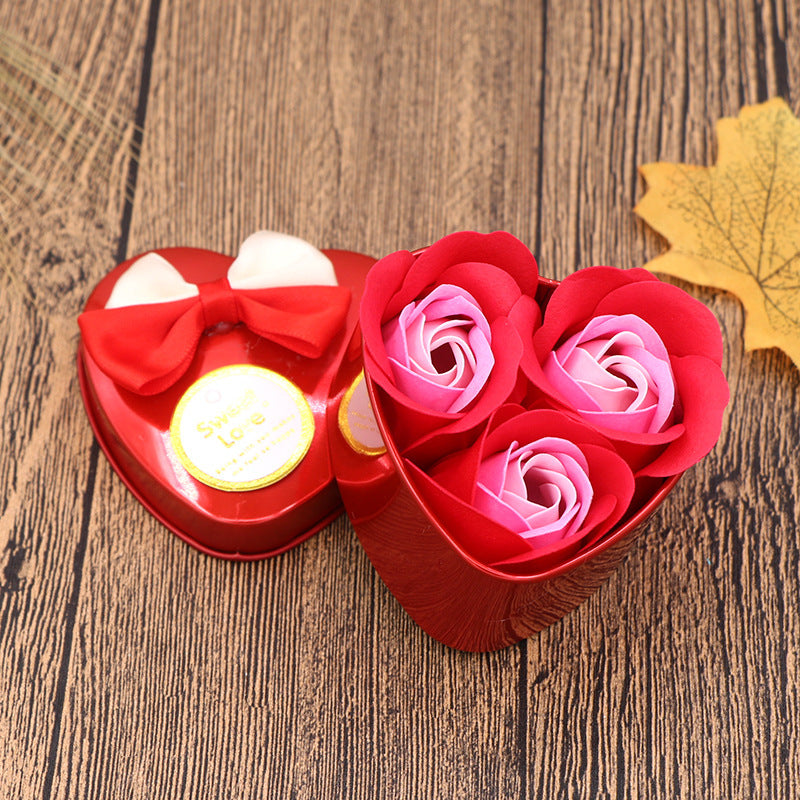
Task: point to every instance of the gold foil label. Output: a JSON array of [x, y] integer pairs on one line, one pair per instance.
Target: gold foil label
[[357, 420], [241, 427]]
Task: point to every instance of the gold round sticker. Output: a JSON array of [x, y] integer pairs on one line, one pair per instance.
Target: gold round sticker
[[357, 420], [241, 427]]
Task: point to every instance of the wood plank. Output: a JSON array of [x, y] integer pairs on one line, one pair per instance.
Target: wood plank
[[301, 676], [130, 665], [678, 678], [56, 245]]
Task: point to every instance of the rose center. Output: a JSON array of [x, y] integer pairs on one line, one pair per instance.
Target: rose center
[[540, 491], [443, 359], [617, 372]]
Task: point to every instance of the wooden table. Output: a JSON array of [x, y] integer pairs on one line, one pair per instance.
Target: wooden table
[[132, 666]]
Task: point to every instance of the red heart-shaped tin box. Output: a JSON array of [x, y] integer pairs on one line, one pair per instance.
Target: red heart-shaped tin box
[[248, 441]]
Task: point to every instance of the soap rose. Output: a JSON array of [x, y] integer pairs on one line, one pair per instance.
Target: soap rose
[[637, 358], [535, 489], [444, 332], [440, 349], [617, 373]]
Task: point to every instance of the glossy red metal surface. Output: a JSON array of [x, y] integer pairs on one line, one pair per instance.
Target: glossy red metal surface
[[454, 598], [133, 430]]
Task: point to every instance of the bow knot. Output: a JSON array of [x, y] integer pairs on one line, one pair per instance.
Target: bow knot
[[146, 336], [218, 302]]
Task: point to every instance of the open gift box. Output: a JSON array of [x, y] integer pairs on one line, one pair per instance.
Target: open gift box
[[249, 446]]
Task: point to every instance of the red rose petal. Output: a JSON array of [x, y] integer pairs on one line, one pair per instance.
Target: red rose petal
[[499, 248], [383, 281], [541, 423], [457, 472], [638, 454], [544, 558], [495, 290], [539, 560], [526, 316], [610, 477], [704, 395]]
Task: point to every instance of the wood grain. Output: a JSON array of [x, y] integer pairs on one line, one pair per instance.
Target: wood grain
[[48, 457], [132, 666], [679, 643]]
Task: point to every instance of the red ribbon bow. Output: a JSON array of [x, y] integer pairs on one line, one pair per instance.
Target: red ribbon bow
[[146, 348]]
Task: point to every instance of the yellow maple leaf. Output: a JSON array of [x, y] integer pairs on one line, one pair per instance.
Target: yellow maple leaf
[[736, 225]]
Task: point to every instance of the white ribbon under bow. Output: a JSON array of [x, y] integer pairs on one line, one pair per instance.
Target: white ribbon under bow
[[266, 259]]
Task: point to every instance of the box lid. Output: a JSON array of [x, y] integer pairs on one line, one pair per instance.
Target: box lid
[[233, 456]]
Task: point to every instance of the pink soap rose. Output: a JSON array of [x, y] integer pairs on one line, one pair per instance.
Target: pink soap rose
[[638, 359], [616, 372], [536, 488], [444, 332], [540, 490], [440, 349]]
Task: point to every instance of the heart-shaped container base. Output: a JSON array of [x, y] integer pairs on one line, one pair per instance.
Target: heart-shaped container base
[[454, 598], [134, 430]]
